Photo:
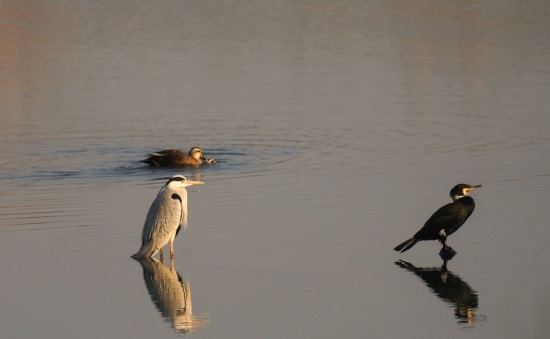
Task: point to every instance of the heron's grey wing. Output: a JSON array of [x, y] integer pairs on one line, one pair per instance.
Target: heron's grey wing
[[182, 195], [163, 218], [176, 196]]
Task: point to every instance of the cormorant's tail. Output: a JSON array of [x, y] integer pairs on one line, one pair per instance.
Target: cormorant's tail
[[406, 245]]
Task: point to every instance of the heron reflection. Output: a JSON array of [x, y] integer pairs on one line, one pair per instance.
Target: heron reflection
[[450, 288], [171, 295]]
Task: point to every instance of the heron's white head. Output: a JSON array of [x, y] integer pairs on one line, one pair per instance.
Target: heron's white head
[[179, 181]]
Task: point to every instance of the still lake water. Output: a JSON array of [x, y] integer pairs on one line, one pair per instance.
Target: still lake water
[[339, 128]]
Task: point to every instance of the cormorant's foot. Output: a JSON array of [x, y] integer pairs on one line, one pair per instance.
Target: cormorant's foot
[[447, 253]]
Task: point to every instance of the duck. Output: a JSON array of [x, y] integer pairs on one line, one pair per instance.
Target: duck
[[177, 158]]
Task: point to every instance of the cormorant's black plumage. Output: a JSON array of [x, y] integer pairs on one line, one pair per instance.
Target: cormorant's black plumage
[[446, 220]]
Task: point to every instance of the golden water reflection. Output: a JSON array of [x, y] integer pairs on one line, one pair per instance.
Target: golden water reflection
[[450, 288], [171, 295]]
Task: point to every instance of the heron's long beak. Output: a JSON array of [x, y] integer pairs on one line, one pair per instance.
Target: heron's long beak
[[192, 182]]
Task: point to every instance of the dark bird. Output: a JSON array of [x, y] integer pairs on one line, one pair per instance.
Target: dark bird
[[450, 288], [177, 158], [445, 221]]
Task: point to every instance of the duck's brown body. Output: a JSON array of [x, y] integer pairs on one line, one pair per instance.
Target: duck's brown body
[[177, 158]]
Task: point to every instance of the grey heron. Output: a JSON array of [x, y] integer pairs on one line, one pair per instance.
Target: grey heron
[[445, 221], [166, 216], [171, 295], [177, 158]]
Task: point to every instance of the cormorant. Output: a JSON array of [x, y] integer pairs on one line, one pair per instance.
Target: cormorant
[[445, 221]]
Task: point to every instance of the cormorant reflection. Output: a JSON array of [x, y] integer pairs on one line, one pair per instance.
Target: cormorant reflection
[[448, 287], [171, 295]]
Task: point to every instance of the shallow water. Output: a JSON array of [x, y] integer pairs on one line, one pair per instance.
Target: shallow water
[[339, 128]]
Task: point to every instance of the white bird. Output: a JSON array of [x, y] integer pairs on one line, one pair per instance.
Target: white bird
[[166, 216], [171, 295]]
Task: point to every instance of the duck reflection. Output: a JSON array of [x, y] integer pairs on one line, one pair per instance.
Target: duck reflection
[[171, 295], [449, 287]]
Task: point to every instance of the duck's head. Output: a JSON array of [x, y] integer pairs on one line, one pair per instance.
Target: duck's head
[[196, 153]]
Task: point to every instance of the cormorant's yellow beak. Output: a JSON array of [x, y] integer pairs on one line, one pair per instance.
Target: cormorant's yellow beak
[[469, 189]]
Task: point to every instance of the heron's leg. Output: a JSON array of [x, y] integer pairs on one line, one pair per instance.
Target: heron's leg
[[172, 264], [171, 248], [161, 252]]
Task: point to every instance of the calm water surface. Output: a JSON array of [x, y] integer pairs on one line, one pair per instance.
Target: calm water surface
[[339, 128]]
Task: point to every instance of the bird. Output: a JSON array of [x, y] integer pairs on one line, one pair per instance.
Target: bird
[[450, 288], [171, 295], [166, 216], [177, 158], [445, 221]]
